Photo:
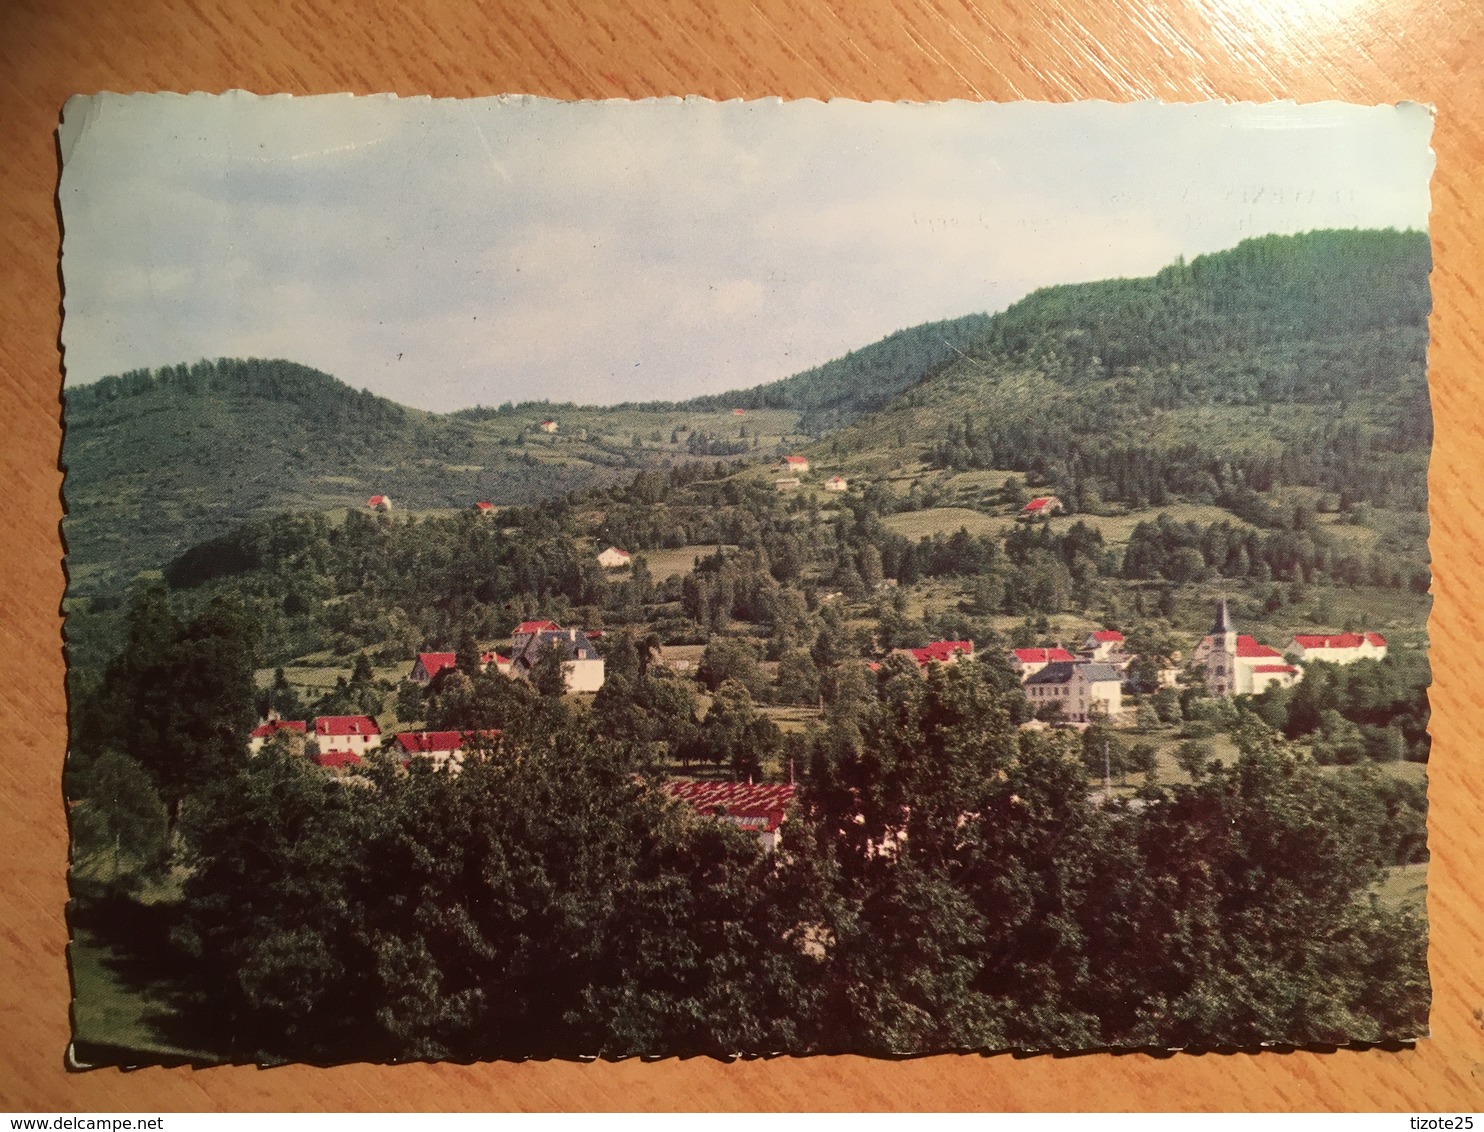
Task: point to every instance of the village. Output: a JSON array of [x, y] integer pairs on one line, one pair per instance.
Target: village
[[1067, 686]]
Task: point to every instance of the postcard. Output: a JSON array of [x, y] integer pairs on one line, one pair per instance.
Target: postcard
[[666, 578]]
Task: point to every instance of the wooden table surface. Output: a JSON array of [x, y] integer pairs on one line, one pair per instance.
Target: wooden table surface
[[1365, 51]]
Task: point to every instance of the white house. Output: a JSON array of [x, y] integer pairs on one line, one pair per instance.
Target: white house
[[760, 809], [1027, 662], [791, 483], [265, 731], [836, 483], [613, 558], [345, 739], [548, 426], [1239, 665], [582, 667], [796, 464], [1086, 690], [1337, 648]]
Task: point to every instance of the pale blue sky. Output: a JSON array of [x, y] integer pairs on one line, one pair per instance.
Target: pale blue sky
[[448, 253]]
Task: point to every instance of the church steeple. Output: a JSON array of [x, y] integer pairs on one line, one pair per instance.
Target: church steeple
[[1223, 621]]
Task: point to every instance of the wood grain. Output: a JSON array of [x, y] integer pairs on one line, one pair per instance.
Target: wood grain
[[1358, 50]]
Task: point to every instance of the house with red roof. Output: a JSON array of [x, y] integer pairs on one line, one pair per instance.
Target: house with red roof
[[484, 508], [760, 808], [380, 503], [444, 749], [798, 465], [429, 664], [939, 652], [345, 740], [1027, 662], [548, 426], [265, 731], [1042, 507], [1337, 648], [836, 483], [1103, 644]]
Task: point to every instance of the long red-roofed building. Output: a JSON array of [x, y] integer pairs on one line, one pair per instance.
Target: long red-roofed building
[[759, 808], [1338, 648], [940, 652]]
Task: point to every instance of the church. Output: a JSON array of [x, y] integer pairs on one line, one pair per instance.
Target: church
[[1238, 665]]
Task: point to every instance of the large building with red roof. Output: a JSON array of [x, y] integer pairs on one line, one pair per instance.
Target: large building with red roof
[[345, 735], [758, 808], [1338, 648]]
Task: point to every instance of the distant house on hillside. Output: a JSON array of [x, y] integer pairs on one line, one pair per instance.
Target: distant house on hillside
[[380, 503], [1042, 507], [613, 558], [441, 748], [787, 484], [1337, 648], [1027, 662], [835, 483], [939, 652], [1086, 690], [548, 426], [582, 667], [759, 809], [484, 508], [265, 731], [739, 412], [796, 464], [345, 740]]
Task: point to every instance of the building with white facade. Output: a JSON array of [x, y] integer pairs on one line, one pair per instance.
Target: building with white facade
[[1337, 648], [1086, 690]]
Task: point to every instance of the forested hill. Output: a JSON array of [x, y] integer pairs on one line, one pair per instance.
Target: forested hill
[[864, 380], [1288, 359], [158, 461]]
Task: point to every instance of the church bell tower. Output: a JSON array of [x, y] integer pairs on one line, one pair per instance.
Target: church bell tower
[[1221, 666]]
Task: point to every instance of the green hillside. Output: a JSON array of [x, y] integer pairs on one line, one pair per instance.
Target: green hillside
[[1297, 360], [159, 461]]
